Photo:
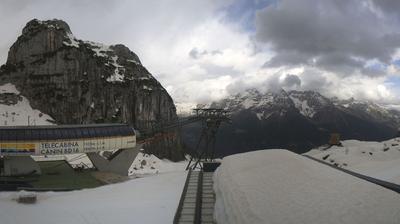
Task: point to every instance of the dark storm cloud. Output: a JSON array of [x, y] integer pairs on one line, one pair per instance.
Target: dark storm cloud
[[288, 58], [334, 35], [339, 62]]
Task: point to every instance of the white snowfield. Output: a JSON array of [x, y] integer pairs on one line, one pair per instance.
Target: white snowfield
[[151, 199], [380, 160], [278, 186]]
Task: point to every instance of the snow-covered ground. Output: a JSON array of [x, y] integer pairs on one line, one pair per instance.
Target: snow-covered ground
[[150, 199], [278, 186], [144, 164], [20, 113], [376, 159]]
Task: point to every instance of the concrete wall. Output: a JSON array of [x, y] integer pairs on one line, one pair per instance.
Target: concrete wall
[[20, 165]]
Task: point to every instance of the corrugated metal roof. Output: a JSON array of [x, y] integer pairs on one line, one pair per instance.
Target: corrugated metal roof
[[63, 126], [21, 133]]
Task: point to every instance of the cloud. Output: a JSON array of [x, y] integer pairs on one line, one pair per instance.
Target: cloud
[[265, 82], [391, 6], [340, 63], [291, 81], [134, 23], [161, 33], [205, 50], [196, 54], [338, 36], [316, 80], [195, 61]]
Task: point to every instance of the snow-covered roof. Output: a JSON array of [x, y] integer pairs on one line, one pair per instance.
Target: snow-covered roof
[[278, 186]]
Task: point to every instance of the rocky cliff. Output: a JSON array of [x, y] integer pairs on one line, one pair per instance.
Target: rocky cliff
[[78, 82]]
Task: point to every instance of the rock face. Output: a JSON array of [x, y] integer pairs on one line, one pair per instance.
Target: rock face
[[79, 82], [296, 120]]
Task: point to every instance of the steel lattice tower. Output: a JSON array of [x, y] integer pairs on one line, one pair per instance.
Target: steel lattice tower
[[211, 119]]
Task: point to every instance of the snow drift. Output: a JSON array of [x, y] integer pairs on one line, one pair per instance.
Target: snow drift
[[277, 186]]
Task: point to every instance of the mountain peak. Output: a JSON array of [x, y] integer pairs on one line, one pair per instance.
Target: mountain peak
[[35, 25], [40, 40], [37, 38], [307, 103]]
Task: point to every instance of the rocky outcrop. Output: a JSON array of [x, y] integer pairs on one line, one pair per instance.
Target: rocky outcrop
[[77, 81]]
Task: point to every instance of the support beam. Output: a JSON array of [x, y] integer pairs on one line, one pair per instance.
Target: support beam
[[118, 163], [19, 166]]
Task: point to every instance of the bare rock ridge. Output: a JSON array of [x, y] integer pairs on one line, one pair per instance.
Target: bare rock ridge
[[79, 82]]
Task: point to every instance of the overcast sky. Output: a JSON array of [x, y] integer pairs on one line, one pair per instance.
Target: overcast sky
[[204, 50]]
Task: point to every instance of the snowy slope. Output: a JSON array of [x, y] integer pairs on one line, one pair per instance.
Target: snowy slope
[[152, 199], [303, 107], [377, 159], [308, 102], [16, 110], [277, 186]]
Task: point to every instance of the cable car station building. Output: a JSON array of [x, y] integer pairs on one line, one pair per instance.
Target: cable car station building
[[19, 143]]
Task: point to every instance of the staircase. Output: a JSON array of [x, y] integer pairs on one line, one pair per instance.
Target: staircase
[[197, 201]]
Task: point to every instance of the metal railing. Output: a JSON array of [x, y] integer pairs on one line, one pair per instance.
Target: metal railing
[[180, 205], [382, 183]]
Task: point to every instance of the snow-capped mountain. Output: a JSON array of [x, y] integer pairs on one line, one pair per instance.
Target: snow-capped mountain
[[263, 105], [308, 104], [369, 110], [298, 120]]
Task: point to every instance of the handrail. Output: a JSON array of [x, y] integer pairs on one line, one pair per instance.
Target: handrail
[[197, 213], [180, 205], [382, 183]]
